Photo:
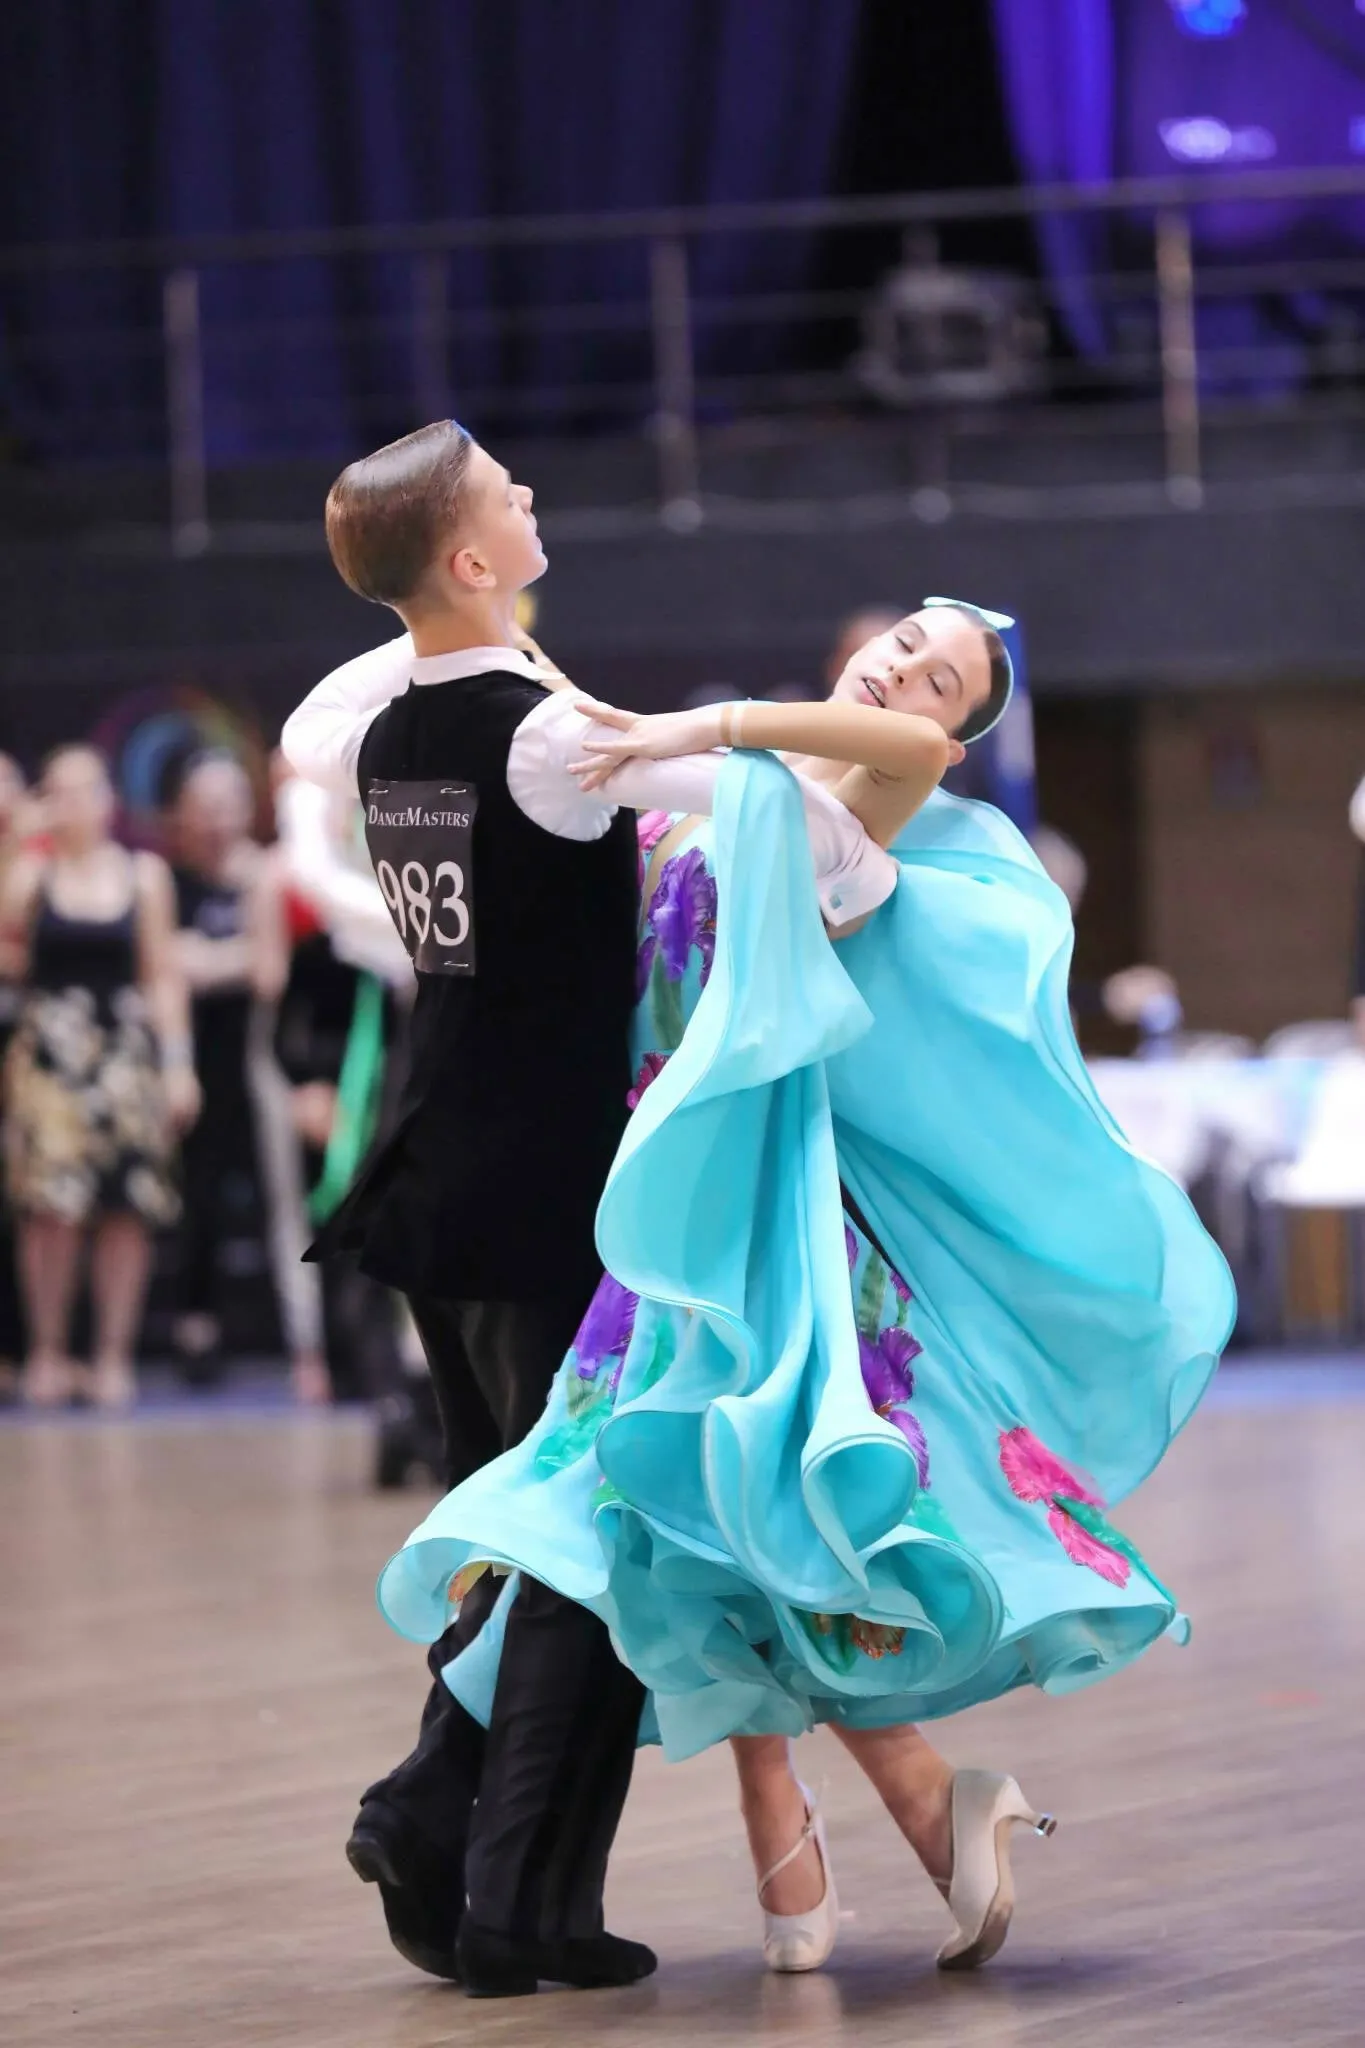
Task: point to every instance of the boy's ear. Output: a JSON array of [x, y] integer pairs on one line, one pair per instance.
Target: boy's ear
[[956, 752], [469, 569]]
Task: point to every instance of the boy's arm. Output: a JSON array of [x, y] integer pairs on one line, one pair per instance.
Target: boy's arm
[[321, 740], [853, 875]]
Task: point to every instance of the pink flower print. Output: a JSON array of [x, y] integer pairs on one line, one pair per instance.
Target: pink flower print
[[650, 828], [1035, 1474], [651, 1066], [1083, 1548]]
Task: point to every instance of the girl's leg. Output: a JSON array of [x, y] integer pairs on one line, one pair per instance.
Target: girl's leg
[[49, 1253], [118, 1285], [774, 1810], [915, 1785]]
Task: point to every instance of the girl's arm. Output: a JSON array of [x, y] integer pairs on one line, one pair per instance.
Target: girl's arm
[[882, 805], [889, 743], [164, 987], [894, 760]]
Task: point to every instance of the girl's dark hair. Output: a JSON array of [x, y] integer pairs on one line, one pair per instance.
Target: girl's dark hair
[[1002, 679], [387, 513]]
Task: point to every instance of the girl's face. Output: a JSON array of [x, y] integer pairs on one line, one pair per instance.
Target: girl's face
[[78, 803], [933, 663]]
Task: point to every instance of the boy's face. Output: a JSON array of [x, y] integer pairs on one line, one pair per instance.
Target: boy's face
[[933, 663], [497, 545]]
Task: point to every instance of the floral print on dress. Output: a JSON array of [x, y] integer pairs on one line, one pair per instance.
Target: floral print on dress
[[606, 1330], [890, 1386], [87, 1130], [651, 1066], [886, 1349], [1075, 1511], [681, 915], [650, 828]]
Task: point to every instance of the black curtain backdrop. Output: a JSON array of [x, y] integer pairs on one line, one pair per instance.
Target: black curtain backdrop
[[136, 117]]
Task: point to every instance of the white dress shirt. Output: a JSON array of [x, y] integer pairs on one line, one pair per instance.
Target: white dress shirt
[[322, 742]]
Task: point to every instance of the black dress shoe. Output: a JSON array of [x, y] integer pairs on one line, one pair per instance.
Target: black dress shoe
[[494, 1965], [422, 1894]]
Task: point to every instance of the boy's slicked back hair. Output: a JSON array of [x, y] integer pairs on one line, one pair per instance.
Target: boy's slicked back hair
[[388, 512]]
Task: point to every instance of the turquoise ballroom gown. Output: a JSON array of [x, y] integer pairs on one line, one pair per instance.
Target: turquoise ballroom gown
[[893, 1313]]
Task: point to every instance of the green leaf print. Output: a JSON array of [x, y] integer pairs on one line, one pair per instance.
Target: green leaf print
[[929, 1514], [1097, 1525], [868, 1312], [572, 1440], [664, 1352], [665, 1007], [582, 1396]]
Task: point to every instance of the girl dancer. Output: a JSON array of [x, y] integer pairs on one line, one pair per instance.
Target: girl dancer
[[892, 1312]]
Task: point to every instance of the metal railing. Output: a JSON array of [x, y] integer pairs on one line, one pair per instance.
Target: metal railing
[[667, 388]]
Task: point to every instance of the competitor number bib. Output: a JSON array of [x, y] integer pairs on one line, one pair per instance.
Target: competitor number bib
[[421, 840]]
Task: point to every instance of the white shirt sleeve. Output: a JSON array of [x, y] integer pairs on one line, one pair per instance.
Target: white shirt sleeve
[[348, 902], [853, 875], [321, 740]]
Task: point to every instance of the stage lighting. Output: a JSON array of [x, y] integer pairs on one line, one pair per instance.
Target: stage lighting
[[1210, 17], [1202, 139]]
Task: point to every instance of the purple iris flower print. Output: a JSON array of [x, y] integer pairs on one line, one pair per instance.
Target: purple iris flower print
[[683, 913], [900, 1287], [606, 1329], [886, 1367], [850, 1246], [890, 1384], [904, 1421]]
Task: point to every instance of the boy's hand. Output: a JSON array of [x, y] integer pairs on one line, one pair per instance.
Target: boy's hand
[[641, 737]]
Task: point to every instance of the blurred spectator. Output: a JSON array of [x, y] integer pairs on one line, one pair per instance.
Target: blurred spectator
[[1062, 862], [13, 807], [92, 1112], [275, 926], [338, 1040], [215, 865], [1357, 817], [1146, 998]]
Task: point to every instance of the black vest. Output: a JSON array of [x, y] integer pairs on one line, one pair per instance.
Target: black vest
[[516, 1094]]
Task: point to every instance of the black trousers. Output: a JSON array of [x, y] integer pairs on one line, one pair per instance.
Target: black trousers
[[523, 1815]]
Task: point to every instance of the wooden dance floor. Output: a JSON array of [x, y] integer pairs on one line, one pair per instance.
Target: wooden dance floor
[[196, 1685]]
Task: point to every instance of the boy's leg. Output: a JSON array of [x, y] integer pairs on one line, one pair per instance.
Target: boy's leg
[[491, 1367]]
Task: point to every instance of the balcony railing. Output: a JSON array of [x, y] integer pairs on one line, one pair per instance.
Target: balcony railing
[[645, 370]]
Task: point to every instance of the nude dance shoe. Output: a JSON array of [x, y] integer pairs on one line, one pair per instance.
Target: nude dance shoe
[[986, 1808], [802, 1941]]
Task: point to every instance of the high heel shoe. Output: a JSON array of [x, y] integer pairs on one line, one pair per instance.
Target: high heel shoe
[[802, 1941], [986, 1806]]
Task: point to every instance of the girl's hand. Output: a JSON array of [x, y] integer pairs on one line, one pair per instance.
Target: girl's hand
[[635, 737]]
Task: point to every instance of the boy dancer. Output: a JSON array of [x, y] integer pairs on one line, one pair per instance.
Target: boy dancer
[[480, 1206], [516, 895]]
